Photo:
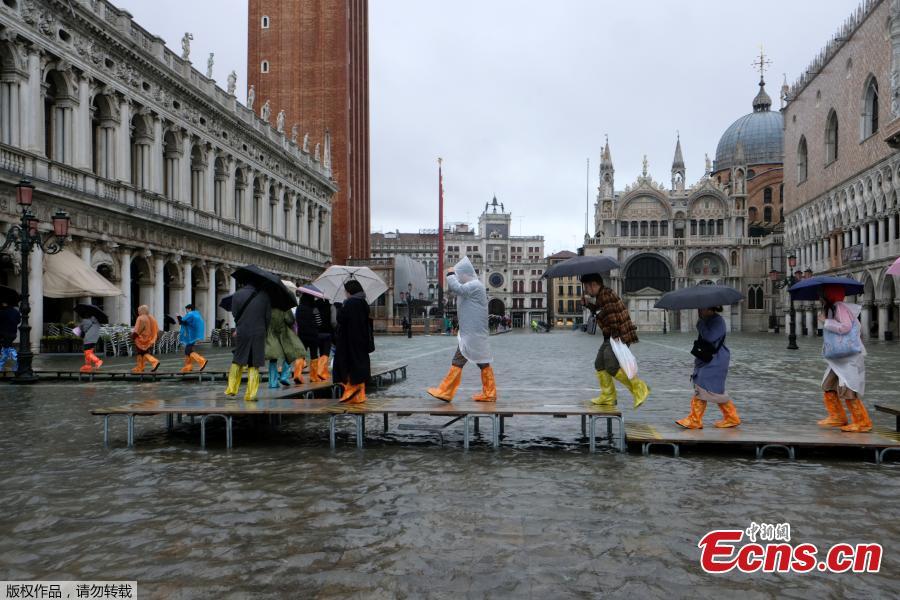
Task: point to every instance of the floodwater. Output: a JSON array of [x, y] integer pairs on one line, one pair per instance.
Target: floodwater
[[282, 516]]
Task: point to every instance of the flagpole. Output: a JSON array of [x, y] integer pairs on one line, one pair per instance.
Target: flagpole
[[440, 272]]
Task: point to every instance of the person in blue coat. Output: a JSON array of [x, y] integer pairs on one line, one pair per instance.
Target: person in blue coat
[[709, 376], [192, 331]]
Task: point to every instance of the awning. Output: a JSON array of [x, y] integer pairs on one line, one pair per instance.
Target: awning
[[66, 276]]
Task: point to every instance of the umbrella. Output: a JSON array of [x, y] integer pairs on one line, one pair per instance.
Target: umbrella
[[89, 310], [699, 296], [894, 269], [331, 282], [169, 320], [290, 285], [225, 302], [279, 295], [582, 265], [808, 289], [311, 290], [9, 295]]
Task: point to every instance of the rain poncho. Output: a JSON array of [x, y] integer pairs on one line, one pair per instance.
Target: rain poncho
[[710, 376], [472, 312], [850, 370], [192, 328]]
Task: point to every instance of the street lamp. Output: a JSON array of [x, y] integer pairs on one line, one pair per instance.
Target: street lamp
[[25, 237], [780, 283], [409, 299]]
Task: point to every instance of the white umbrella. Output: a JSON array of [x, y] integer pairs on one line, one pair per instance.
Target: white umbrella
[[331, 282]]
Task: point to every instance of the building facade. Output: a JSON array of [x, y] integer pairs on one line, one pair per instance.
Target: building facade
[[170, 182], [511, 267], [310, 59], [842, 134], [564, 307], [724, 229]]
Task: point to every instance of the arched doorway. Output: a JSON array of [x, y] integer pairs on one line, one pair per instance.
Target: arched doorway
[[107, 305], [496, 307], [647, 278], [141, 286]]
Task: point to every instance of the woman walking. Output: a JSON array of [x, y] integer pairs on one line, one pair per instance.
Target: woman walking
[[308, 331], [90, 332], [282, 345], [252, 312], [351, 356], [709, 375], [845, 377], [144, 333]]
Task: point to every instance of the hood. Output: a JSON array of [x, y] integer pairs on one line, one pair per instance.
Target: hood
[[464, 270], [854, 309]]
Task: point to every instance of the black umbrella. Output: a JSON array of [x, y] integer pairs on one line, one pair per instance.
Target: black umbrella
[[582, 265], [169, 320], [279, 295], [225, 302], [699, 296], [89, 310], [9, 296]]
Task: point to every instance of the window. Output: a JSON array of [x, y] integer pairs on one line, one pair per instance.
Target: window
[[571, 306], [767, 196], [831, 138], [577, 290], [561, 306], [265, 22], [560, 290], [753, 214], [802, 156], [870, 109], [734, 259], [767, 214], [571, 290], [264, 66]]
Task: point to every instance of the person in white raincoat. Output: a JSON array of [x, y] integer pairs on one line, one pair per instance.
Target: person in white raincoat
[[472, 311], [845, 378]]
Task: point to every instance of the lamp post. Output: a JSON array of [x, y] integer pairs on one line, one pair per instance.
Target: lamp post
[[409, 299], [25, 236], [779, 282]]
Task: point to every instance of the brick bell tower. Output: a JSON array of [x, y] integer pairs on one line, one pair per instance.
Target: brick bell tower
[[310, 58]]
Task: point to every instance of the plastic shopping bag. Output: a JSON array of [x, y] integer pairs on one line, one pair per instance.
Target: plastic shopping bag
[[626, 359]]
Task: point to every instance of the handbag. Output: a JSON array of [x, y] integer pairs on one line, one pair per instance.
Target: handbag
[[842, 345], [705, 351]]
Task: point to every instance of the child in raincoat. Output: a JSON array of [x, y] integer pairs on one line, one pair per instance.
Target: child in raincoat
[[282, 345], [615, 322], [472, 311], [845, 378], [144, 333], [709, 377], [192, 330]]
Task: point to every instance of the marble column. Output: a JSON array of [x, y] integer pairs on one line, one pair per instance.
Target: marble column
[[81, 128], [854, 236], [892, 229], [32, 106], [155, 176], [866, 320], [811, 322], [187, 282], [882, 231], [184, 166], [232, 288], [123, 144], [86, 258], [882, 319], [870, 241], [125, 286], [210, 311], [36, 297], [158, 307]]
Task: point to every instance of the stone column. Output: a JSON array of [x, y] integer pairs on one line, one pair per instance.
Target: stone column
[[207, 201], [232, 288], [228, 191], [33, 106], [811, 322], [882, 319], [870, 241], [854, 236], [314, 227], [86, 257], [81, 128], [187, 290], [159, 290], [123, 144], [36, 297], [155, 176], [125, 286], [184, 191], [210, 311], [866, 320], [892, 229]]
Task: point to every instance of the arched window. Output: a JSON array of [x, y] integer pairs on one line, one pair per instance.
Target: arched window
[[831, 138], [264, 66], [171, 159], [533, 287], [141, 146], [802, 157], [198, 177], [870, 109], [624, 228], [103, 130], [760, 300], [240, 184], [767, 214], [221, 178], [265, 22], [767, 196], [58, 103]]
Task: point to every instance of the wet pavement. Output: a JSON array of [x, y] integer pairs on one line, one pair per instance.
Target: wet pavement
[[283, 516]]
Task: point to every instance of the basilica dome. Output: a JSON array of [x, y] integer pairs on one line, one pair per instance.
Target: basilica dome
[[758, 136]]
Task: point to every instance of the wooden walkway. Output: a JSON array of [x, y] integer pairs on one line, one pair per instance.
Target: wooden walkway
[[763, 438], [284, 403]]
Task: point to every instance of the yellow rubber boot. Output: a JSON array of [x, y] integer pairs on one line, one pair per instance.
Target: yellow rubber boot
[[607, 395], [695, 419], [234, 380], [252, 384], [636, 386], [188, 365], [729, 411], [488, 386], [837, 417], [861, 421], [448, 386]]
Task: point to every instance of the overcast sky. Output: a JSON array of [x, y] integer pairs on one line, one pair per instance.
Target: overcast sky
[[515, 95]]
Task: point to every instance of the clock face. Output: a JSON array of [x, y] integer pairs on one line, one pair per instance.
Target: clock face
[[496, 279]]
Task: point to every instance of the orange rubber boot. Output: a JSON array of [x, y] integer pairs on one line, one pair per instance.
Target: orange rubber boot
[[323, 368], [448, 386], [861, 421], [695, 419], [837, 417], [139, 366], [95, 360], [350, 390], [488, 386], [188, 365], [201, 362], [729, 411], [87, 366], [298, 370], [154, 362]]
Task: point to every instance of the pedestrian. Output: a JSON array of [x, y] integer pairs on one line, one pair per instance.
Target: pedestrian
[[326, 320], [144, 333], [615, 323], [845, 376], [90, 333], [710, 371], [472, 311], [308, 331], [282, 345], [252, 311], [9, 321], [351, 356], [192, 331]]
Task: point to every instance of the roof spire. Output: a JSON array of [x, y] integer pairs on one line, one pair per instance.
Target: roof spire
[[762, 102], [606, 156], [678, 161]]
